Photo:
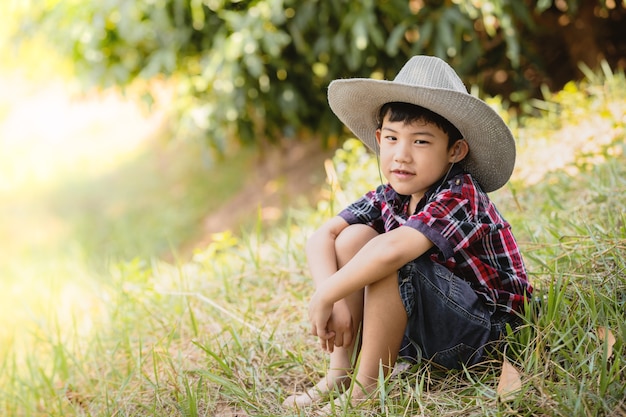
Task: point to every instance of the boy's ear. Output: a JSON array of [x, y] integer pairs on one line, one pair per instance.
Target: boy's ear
[[459, 151], [378, 137]]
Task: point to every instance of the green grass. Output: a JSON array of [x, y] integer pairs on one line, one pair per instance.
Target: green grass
[[226, 333]]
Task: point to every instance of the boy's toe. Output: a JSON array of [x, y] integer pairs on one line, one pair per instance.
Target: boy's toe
[[301, 400]]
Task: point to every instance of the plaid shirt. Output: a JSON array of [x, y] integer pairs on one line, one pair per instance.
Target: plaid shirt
[[470, 236]]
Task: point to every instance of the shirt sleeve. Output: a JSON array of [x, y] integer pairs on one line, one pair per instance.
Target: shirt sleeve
[[450, 222], [366, 210]]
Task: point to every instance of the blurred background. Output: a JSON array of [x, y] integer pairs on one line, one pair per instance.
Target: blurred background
[[138, 129], [133, 121]]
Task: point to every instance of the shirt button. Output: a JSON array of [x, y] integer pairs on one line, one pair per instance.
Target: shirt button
[[458, 182]]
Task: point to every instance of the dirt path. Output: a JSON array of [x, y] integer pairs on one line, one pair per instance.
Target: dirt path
[[286, 176]]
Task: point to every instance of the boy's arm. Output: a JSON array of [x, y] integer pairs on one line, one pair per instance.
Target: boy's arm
[[320, 249], [322, 261], [380, 257]]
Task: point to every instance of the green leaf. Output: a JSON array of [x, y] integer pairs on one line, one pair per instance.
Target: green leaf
[[393, 41]]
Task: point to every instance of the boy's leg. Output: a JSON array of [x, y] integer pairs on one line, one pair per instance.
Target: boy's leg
[[347, 244], [384, 323]]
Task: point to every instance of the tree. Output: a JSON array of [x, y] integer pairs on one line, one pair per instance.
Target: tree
[[254, 71]]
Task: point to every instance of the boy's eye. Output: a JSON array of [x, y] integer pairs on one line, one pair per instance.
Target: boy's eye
[[390, 138], [420, 142]]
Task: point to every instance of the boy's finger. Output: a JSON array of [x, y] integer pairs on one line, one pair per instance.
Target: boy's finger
[[323, 344], [327, 343], [320, 332], [339, 340]]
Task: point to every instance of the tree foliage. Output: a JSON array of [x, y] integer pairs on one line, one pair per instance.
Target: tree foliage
[[257, 70]]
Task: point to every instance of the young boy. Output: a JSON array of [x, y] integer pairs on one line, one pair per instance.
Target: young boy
[[424, 264]]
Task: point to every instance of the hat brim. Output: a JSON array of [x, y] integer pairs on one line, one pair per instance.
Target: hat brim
[[491, 158]]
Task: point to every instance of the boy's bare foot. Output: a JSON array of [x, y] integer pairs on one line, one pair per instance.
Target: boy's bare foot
[[306, 399], [318, 392]]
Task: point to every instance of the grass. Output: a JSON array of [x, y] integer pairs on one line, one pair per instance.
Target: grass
[[225, 333]]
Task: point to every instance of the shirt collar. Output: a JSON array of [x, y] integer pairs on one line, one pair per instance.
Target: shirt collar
[[439, 184]]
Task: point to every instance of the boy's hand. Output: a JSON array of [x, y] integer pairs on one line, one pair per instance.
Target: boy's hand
[[341, 323], [319, 316]]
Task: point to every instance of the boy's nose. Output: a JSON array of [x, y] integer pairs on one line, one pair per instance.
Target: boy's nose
[[402, 153]]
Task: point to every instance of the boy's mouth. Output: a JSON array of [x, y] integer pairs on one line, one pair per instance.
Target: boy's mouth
[[401, 172]]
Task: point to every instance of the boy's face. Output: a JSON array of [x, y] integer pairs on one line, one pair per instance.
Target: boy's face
[[413, 156]]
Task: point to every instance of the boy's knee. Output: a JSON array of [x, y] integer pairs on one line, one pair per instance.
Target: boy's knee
[[351, 240]]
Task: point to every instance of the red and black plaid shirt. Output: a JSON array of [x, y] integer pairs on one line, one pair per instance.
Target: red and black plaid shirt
[[470, 236]]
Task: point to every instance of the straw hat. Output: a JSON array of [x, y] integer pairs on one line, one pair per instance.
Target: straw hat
[[431, 83]]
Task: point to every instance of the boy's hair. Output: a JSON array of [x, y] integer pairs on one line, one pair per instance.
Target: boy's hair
[[408, 113]]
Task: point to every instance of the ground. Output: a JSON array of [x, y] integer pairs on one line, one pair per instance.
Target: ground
[[284, 175]]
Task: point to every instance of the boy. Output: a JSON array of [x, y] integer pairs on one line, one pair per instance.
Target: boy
[[424, 264]]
